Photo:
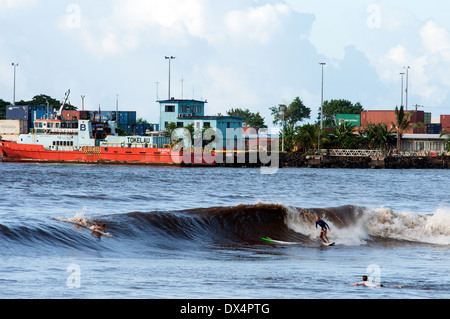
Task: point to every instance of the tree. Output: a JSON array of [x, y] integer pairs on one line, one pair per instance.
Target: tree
[[335, 107], [308, 136], [42, 99], [447, 140], [378, 136], [402, 123], [141, 121], [250, 119], [3, 105], [170, 128], [292, 114], [343, 135]]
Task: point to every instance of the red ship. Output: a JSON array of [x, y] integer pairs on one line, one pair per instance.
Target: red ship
[[89, 141]]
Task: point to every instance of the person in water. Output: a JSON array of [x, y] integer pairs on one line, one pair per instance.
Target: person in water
[[323, 231], [100, 228], [365, 282], [82, 222], [93, 227]]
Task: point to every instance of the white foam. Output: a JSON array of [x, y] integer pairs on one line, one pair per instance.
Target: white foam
[[303, 222], [381, 222], [81, 214]]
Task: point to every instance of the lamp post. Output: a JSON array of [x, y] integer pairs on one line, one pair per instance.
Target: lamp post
[[170, 59], [407, 85], [402, 74], [14, 86], [82, 102], [321, 108]]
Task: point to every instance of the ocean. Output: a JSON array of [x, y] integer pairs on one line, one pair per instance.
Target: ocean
[[196, 233]]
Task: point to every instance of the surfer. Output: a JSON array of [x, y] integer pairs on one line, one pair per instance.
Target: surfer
[[365, 282], [83, 222], [323, 231], [99, 228]]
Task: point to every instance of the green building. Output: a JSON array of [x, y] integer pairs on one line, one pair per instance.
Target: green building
[[185, 112]]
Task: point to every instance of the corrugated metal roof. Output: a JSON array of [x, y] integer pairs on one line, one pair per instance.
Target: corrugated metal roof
[[423, 137]]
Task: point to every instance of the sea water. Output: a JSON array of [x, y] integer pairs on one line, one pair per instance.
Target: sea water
[[196, 233]]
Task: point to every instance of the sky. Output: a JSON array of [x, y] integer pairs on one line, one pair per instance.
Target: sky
[[251, 54]]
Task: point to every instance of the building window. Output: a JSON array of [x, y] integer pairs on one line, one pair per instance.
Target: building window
[[228, 124], [179, 124], [207, 125], [165, 124], [170, 108]]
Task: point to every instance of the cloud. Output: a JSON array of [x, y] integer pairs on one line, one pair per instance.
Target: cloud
[[236, 53], [391, 36], [258, 24], [9, 4], [436, 40]]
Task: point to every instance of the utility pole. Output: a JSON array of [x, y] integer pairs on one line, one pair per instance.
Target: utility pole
[[14, 86], [117, 108], [170, 59], [157, 91], [402, 74], [82, 102], [182, 87], [407, 85], [321, 108]]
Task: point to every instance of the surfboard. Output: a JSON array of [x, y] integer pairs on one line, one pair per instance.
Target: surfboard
[[273, 241], [76, 222], [330, 244]]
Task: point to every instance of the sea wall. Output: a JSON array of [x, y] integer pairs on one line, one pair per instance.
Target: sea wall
[[388, 162]]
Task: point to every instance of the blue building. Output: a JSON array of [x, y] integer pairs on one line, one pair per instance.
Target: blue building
[[186, 112]]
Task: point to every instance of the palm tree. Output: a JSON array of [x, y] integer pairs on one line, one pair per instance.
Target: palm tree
[[385, 138], [378, 136], [288, 135], [447, 139], [343, 135], [308, 136], [402, 123]]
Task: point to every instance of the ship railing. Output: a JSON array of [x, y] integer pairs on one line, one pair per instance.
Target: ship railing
[[194, 150], [130, 145]]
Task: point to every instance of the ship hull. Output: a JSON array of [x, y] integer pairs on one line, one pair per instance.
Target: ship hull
[[13, 152]]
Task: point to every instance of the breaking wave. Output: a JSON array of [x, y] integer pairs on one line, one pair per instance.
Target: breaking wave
[[238, 225]]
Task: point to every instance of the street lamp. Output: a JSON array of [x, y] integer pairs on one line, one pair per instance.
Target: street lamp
[[402, 74], [170, 59], [14, 86], [321, 108], [407, 85]]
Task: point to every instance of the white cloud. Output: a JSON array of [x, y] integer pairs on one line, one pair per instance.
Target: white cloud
[[436, 40], [138, 15], [237, 53], [8, 4], [258, 24]]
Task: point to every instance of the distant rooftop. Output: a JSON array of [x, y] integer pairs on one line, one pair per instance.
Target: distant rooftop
[[213, 117], [181, 100]]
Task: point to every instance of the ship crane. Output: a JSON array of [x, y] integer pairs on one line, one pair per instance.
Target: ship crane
[[66, 98]]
